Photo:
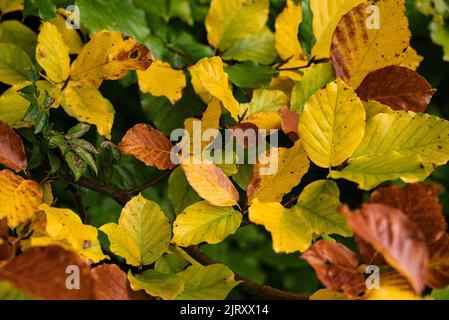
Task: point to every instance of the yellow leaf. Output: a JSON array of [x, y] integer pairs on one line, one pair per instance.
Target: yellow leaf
[[286, 36], [166, 286], [412, 59], [7, 6], [354, 56], [52, 53], [160, 79], [332, 124], [199, 88], [285, 169], [202, 222], [19, 198], [210, 120], [142, 234], [16, 33], [230, 20], [392, 287], [14, 64], [373, 108], [289, 230], [265, 120], [70, 36], [264, 101], [210, 74], [326, 15], [109, 56], [48, 193], [13, 108], [326, 294], [64, 227], [88, 105], [210, 182]]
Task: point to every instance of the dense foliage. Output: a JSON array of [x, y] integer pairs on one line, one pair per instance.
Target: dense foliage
[[313, 149]]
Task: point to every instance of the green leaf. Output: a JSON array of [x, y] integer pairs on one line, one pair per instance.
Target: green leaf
[[203, 222], [114, 15], [264, 101], [315, 77], [212, 282], [14, 64], [8, 292], [46, 9], [319, 204], [332, 124], [258, 47], [16, 33], [250, 75], [440, 35], [440, 294], [180, 193], [166, 286], [306, 37], [170, 263], [142, 234], [243, 176]]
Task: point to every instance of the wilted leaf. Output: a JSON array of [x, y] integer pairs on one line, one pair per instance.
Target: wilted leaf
[[209, 181], [160, 79], [290, 231], [166, 286], [397, 87], [52, 53], [357, 50], [19, 198], [336, 267], [109, 56], [420, 204], [276, 174], [42, 273], [332, 124], [212, 282], [390, 232], [202, 222], [438, 273], [111, 283], [148, 145], [12, 151], [142, 234], [290, 122]]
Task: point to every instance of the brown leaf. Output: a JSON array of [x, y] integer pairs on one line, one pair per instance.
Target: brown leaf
[[148, 145], [246, 134], [111, 283], [420, 204], [41, 272], [438, 273], [336, 267], [5, 247], [368, 254], [290, 120], [12, 151], [397, 87], [391, 233]]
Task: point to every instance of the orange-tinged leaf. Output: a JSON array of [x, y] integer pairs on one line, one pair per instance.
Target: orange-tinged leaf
[[336, 267], [109, 56], [290, 122], [397, 87], [357, 50], [161, 79], [210, 182], [111, 283], [12, 151], [438, 272], [420, 204], [393, 286], [391, 233], [42, 273], [148, 145], [19, 198]]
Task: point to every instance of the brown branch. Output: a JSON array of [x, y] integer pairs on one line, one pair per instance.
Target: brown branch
[[262, 291], [149, 184], [123, 196]]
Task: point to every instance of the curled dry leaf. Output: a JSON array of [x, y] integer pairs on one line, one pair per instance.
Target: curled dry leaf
[[336, 267], [368, 254], [148, 145], [44, 273], [290, 122], [391, 233], [438, 273], [111, 283], [210, 182], [12, 151], [420, 204], [397, 87]]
